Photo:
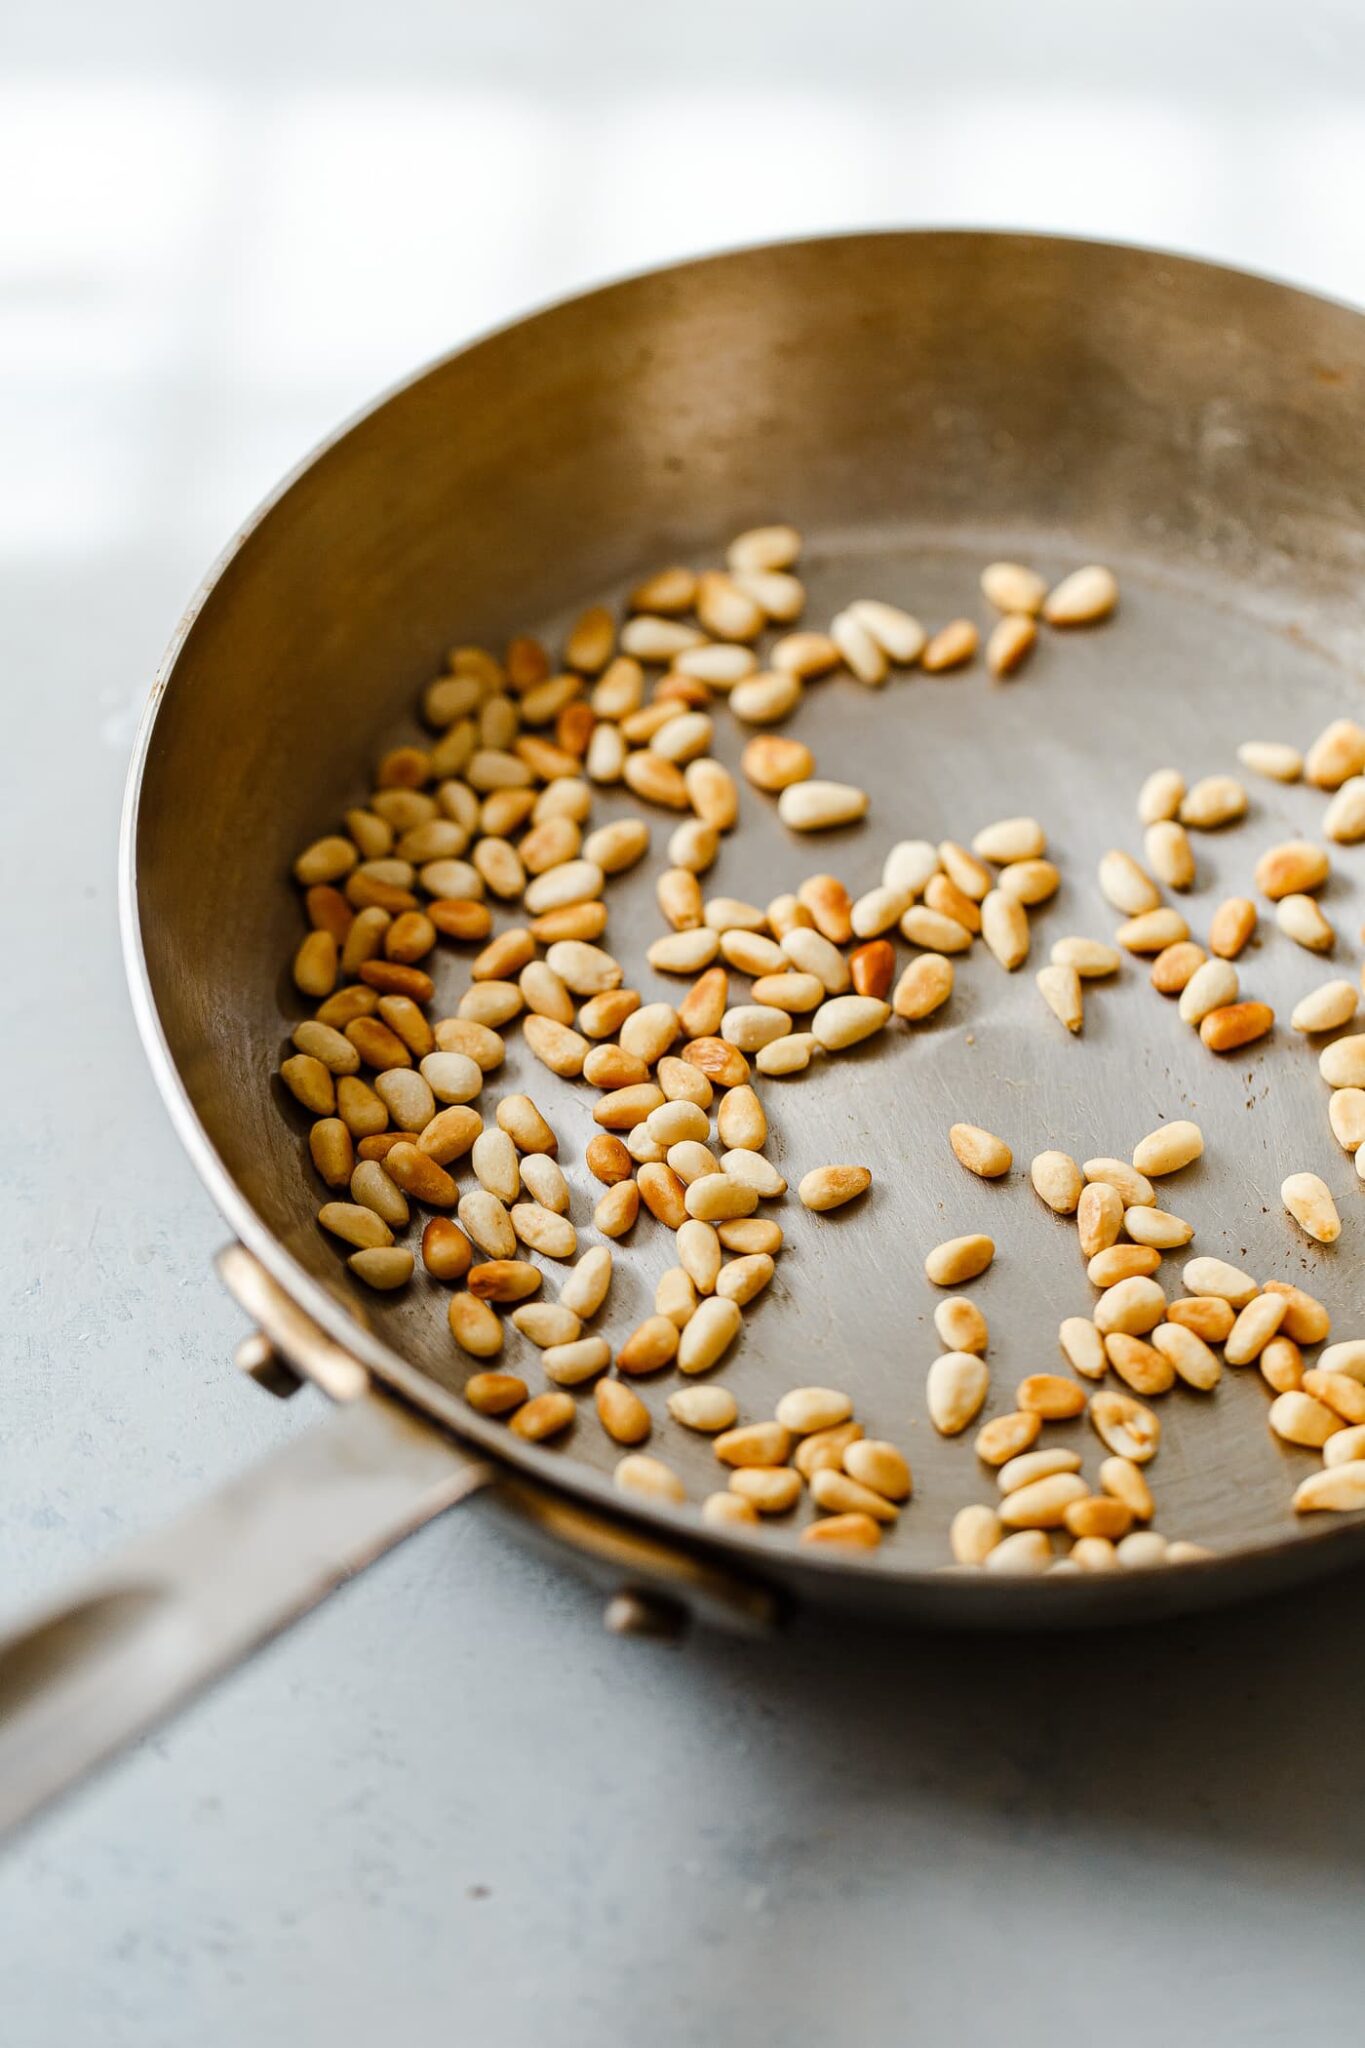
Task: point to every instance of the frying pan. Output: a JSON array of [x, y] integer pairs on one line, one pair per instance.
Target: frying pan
[[918, 404]]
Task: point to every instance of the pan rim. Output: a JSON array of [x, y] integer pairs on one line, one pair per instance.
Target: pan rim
[[556, 1471]]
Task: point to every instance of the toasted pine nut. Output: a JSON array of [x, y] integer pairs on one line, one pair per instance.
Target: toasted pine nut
[[807, 1409], [1309, 1201], [621, 1412], [474, 1326], [1050, 1395], [718, 1197], [726, 1508], [754, 1443], [879, 1466], [950, 647], [957, 1385], [1347, 1357], [1123, 1479], [1337, 753], [650, 1347], [1168, 1148], [1338, 1488], [1131, 1307], [310, 1082], [826, 1447], [766, 698], [1281, 1364], [557, 1047], [855, 1531], [924, 987], [639, 1473], [1060, 988], [1004, 926], [1043, 1503], [1058, 1180], [897, 634], [1346, 1447], [975, 1532], [1121, 1262], [1082, 598], [1344, 820], [840, 1494], [1083, 1347], [1012, 588], [1099, 1516], [1291, 869], [932, 929], [960, 1324], [1306, 1320], [1336, 1390], [772, 1489], [1140, 1365], [957, 1259], [693, 844], [382, 1267], [1010, 641], [1175, 966], [1030, 881], [1299, 1419], [1239, 1024], [980, 1151], [774, 764], [494, 1393], [1161, 796], [1124, 1427], [829, 1187], [618, 1210]]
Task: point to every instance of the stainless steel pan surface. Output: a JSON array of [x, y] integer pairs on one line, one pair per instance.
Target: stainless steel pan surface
[[918, 404]]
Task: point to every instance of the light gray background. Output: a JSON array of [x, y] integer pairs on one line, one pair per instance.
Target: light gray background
[[448, 1807]]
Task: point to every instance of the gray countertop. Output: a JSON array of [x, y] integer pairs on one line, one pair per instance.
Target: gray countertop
[[448, 1806]]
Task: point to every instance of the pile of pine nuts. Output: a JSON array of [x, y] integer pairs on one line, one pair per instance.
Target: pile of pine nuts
[[495, 810]]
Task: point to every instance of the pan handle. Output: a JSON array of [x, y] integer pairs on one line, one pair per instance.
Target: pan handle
[[160, 1618]]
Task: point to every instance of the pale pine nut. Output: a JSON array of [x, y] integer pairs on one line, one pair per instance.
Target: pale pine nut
[[1142, 1551], [1271, 758], [699, 1254], [1124, 1427], [1326, 1009], [931, 929], [323, 1042], [1345, 1114], [824, 1448], [952, 646], [1099, 1218], [372, 1187], [1057, 1180], [1161, 796], [1153, 931], [1344, 819], [1346, 1447], [1083, 1347], [752, 1170], [713, 793], [1215, 1276], [1292, 869], [779, 596], [805, 654], [694, 845], [807, 1409], [910, 865], [1060, 988], [1007, 1436], [879, 910], [774, 764], [772, 1489], [844, 1021], [1012, 588], [817, 806], [1338, 1488], [705, 1409], [974, 1533], [1347, 1356], [1134, 1188], [383, 1267], [838, 1494], [791, 1055], [744, 1278], [569, 1365], [494, 1393], [1337, 753], [958, 1259], [719, 1197], [546, 1323], [1024, 1553], [980, 1151], [766, 698], [675, 1296], [586, 1287], [553, 1236], [722, 664], [1301, 920], [1215, 801], [1004, 926], [1090, 958], [709, 1335], [1092, 1553], [1257, 1323], [957, 1385], [924, 987], [1130, 1307], [1030, 881], [960, 1324], [1168, 1148], [1336, 1390], [1009, 643], [873, 1463], [639, 1473], [830, 1187], [1123, 1479], [1033, 1465], [897, 634], [1212, 987], [751, 1026], [964, 870], [1169, 853], [1306, 1320], [1082, 598], [1157, 1228], [1124, 885], [1297, 1418], [674, 1122], [1309, 1201], [1042, 1503], [862, 652], [1342, 1064]]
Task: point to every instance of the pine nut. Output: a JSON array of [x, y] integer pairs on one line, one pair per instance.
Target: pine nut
[[1336, 754], [569, 1365], [1161, 796], [494, 1393], [1299, 1419], [1124, 885], [955, 1390], [897, 634], [1060, 988], [1344, 819], [1281, 1364], [1215, 1276], [1050, 1395], [1057, 1180], [547, 1323], [446, 1251], [751, 1026], [1004, 926], [767, 698], [1157, 1228], [707, 1409], [755, 1443], [980, 1151], [726, 1508], [356, 1224], [1342, 1064], [1082, 598], [1175, 966], [839, 1494], [1347, 1357], [857, 1532], [359, 1108], [826, 1447], [474, 1326], [1083, 1347], [639, 1473], [1338, 1488], [844, 1021], [1338, 1391], [1010, 839], [1043, 1503], [525, 1126], [1030, 881], [974, 1534], [817, 806], [770, 1489], [830, 1187], [1345, 1114], [694, 845], [956, 1260], [709, 1335], [1309, 1201], [1326, 1009], [1168, 1148], [1306, 1320], [774, 764], [331, 1047], [960, 1324], [1099, 1516], [931, 929], [964, 870], [924, 987], [1122, 1262], [1212, 987], [1009, 643], [1140, 1365], [621, 1412], [878, 1465], [754, 1171], [475, 1041], [1141, 1551], [950, 647], [557, 1047], [1123, 1480], [1132, 1186], [718, 1197], [1130, 1307], [807, 1409], [1345, 1448], [382, 1267], [1278, 763], [332, 1151], [1034, 1465], [618, 1210], [310, 1083], [1013, 588], [1124, 1427], [585, 1289], [863, 654], [1240, 1024], [1027, 1551], [1291, 869], [1301, 920], [713, 793], [779, 596], [1169, 854], [1090, 1553], [1153, 932], [684, 952], [744, 1278], [1217, 800], [811, 953]]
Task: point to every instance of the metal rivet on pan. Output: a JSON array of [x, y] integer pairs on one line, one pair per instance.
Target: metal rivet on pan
[[257, 1357], [634, 1612]]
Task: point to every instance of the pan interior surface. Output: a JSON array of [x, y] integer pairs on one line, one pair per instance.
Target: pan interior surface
[[919, 406]]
